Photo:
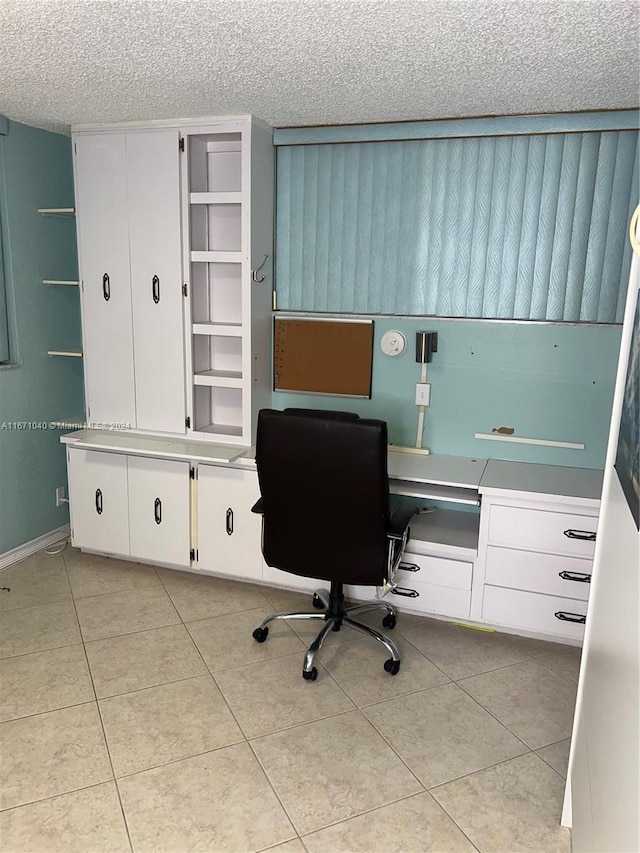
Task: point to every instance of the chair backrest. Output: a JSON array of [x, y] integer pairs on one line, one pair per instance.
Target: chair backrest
[[325, 494]]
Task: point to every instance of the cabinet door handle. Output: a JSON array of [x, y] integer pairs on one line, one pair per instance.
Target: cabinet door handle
[[581, 577], [155, 289], [99, 501], [229, 521], [157, 510], [563, 616], [106, 287], [585, 535]]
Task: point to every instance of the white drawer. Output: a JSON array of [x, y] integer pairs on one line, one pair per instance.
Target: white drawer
[[532, 611], [431, 598], [549, 574], [540, 530], [436, 570]]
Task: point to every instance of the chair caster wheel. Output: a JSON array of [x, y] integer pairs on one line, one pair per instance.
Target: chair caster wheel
[[310, 676], [392, 666], [389, 621], [317, 602], [260, 634]]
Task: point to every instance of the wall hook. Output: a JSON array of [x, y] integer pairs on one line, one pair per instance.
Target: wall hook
[[254, 273]]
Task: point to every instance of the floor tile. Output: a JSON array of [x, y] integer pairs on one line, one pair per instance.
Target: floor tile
[[358, 668], [44, 681], [557, 756], [442, 734], [51, 754], [287, 599], [532, 701], [272, 695], [566, 663], [91, 574], [294, 846], [415, 825], [332, 769], [166, 723], [82, 821], [459, 651], [103, 616], [308, 630], [200, 597], [40, 579], [514, 806], [226, 641], [220, 801], [134, 661], [33, 629]]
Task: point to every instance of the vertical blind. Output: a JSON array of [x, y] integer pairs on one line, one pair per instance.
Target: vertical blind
[[514, 227]]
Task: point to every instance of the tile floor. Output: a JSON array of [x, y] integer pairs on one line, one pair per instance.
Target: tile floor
[[137, 713]]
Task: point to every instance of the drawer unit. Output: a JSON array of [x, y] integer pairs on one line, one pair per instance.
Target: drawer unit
[[531, 611], [436, 570], [542, 530], [549, 574]]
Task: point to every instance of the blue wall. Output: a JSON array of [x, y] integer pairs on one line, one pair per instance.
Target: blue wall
[[549, 381], [36, 171]]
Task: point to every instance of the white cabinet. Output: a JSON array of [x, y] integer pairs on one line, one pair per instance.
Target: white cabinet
[[536, 548], [98, 499], [128, 214], [159, 516], [103, 243], [229, 534], [130, 505]]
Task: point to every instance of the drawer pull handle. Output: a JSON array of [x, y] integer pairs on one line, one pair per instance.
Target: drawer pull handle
[[157, 510], [575, 576], [155, 289], [585, 535], [106, 287], [408, 593], [409, 567], [570, 617], [99, 501], [229, 521]]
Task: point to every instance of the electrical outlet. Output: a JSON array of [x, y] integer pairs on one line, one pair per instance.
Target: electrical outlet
[[61, 497], [423, 394]]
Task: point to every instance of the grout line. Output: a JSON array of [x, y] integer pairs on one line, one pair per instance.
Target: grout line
[[104, 734]]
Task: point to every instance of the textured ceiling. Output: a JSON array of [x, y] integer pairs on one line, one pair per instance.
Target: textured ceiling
[[308, 62]]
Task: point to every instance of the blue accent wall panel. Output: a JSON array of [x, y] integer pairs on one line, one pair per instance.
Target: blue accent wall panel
[[546, 381], [36, 171]]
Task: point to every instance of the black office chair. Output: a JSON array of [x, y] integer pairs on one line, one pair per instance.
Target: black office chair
[[325, 508]]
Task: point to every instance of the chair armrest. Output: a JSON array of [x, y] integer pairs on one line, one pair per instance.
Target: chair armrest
[[400, 519], [257, 507]]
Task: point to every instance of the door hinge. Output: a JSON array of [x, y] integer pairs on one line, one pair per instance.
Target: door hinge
[[187, 422], [193, 555], [181, 143], [75, 147], [185, 290], [192, 473]]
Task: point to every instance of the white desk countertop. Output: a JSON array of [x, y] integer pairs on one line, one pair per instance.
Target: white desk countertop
[[554, 482]]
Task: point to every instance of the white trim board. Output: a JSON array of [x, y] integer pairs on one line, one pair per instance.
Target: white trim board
[[32, 547]]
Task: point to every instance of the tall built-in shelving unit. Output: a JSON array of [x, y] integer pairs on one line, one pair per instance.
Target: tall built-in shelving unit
[[218, 201]]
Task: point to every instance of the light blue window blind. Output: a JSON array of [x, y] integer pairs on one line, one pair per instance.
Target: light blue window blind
[[514, 227]]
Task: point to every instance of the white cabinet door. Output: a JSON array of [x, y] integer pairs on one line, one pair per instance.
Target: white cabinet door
[[228, 532], [98, 500], [159, 510], [103, 238], [153, 183]]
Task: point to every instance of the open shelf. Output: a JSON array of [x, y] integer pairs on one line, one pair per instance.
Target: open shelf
[[215, 198], [60, 281], [453, 533], [218, 378], [217, 257], [215, 163], [216, 227], [216, 293], [218, 410], [232, 330]]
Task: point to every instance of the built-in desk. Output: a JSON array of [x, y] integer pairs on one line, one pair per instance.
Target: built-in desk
[[495, 551]]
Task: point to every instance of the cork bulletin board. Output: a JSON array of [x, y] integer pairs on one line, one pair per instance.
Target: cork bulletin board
[[323, 356]]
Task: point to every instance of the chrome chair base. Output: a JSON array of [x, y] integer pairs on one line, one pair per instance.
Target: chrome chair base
[[331, 611]]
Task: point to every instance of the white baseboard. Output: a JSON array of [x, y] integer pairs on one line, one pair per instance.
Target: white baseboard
[[22, 551]]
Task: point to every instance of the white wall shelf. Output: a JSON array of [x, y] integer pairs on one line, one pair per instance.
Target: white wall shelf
[[60, 281], [57, 211], [65, 353]]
